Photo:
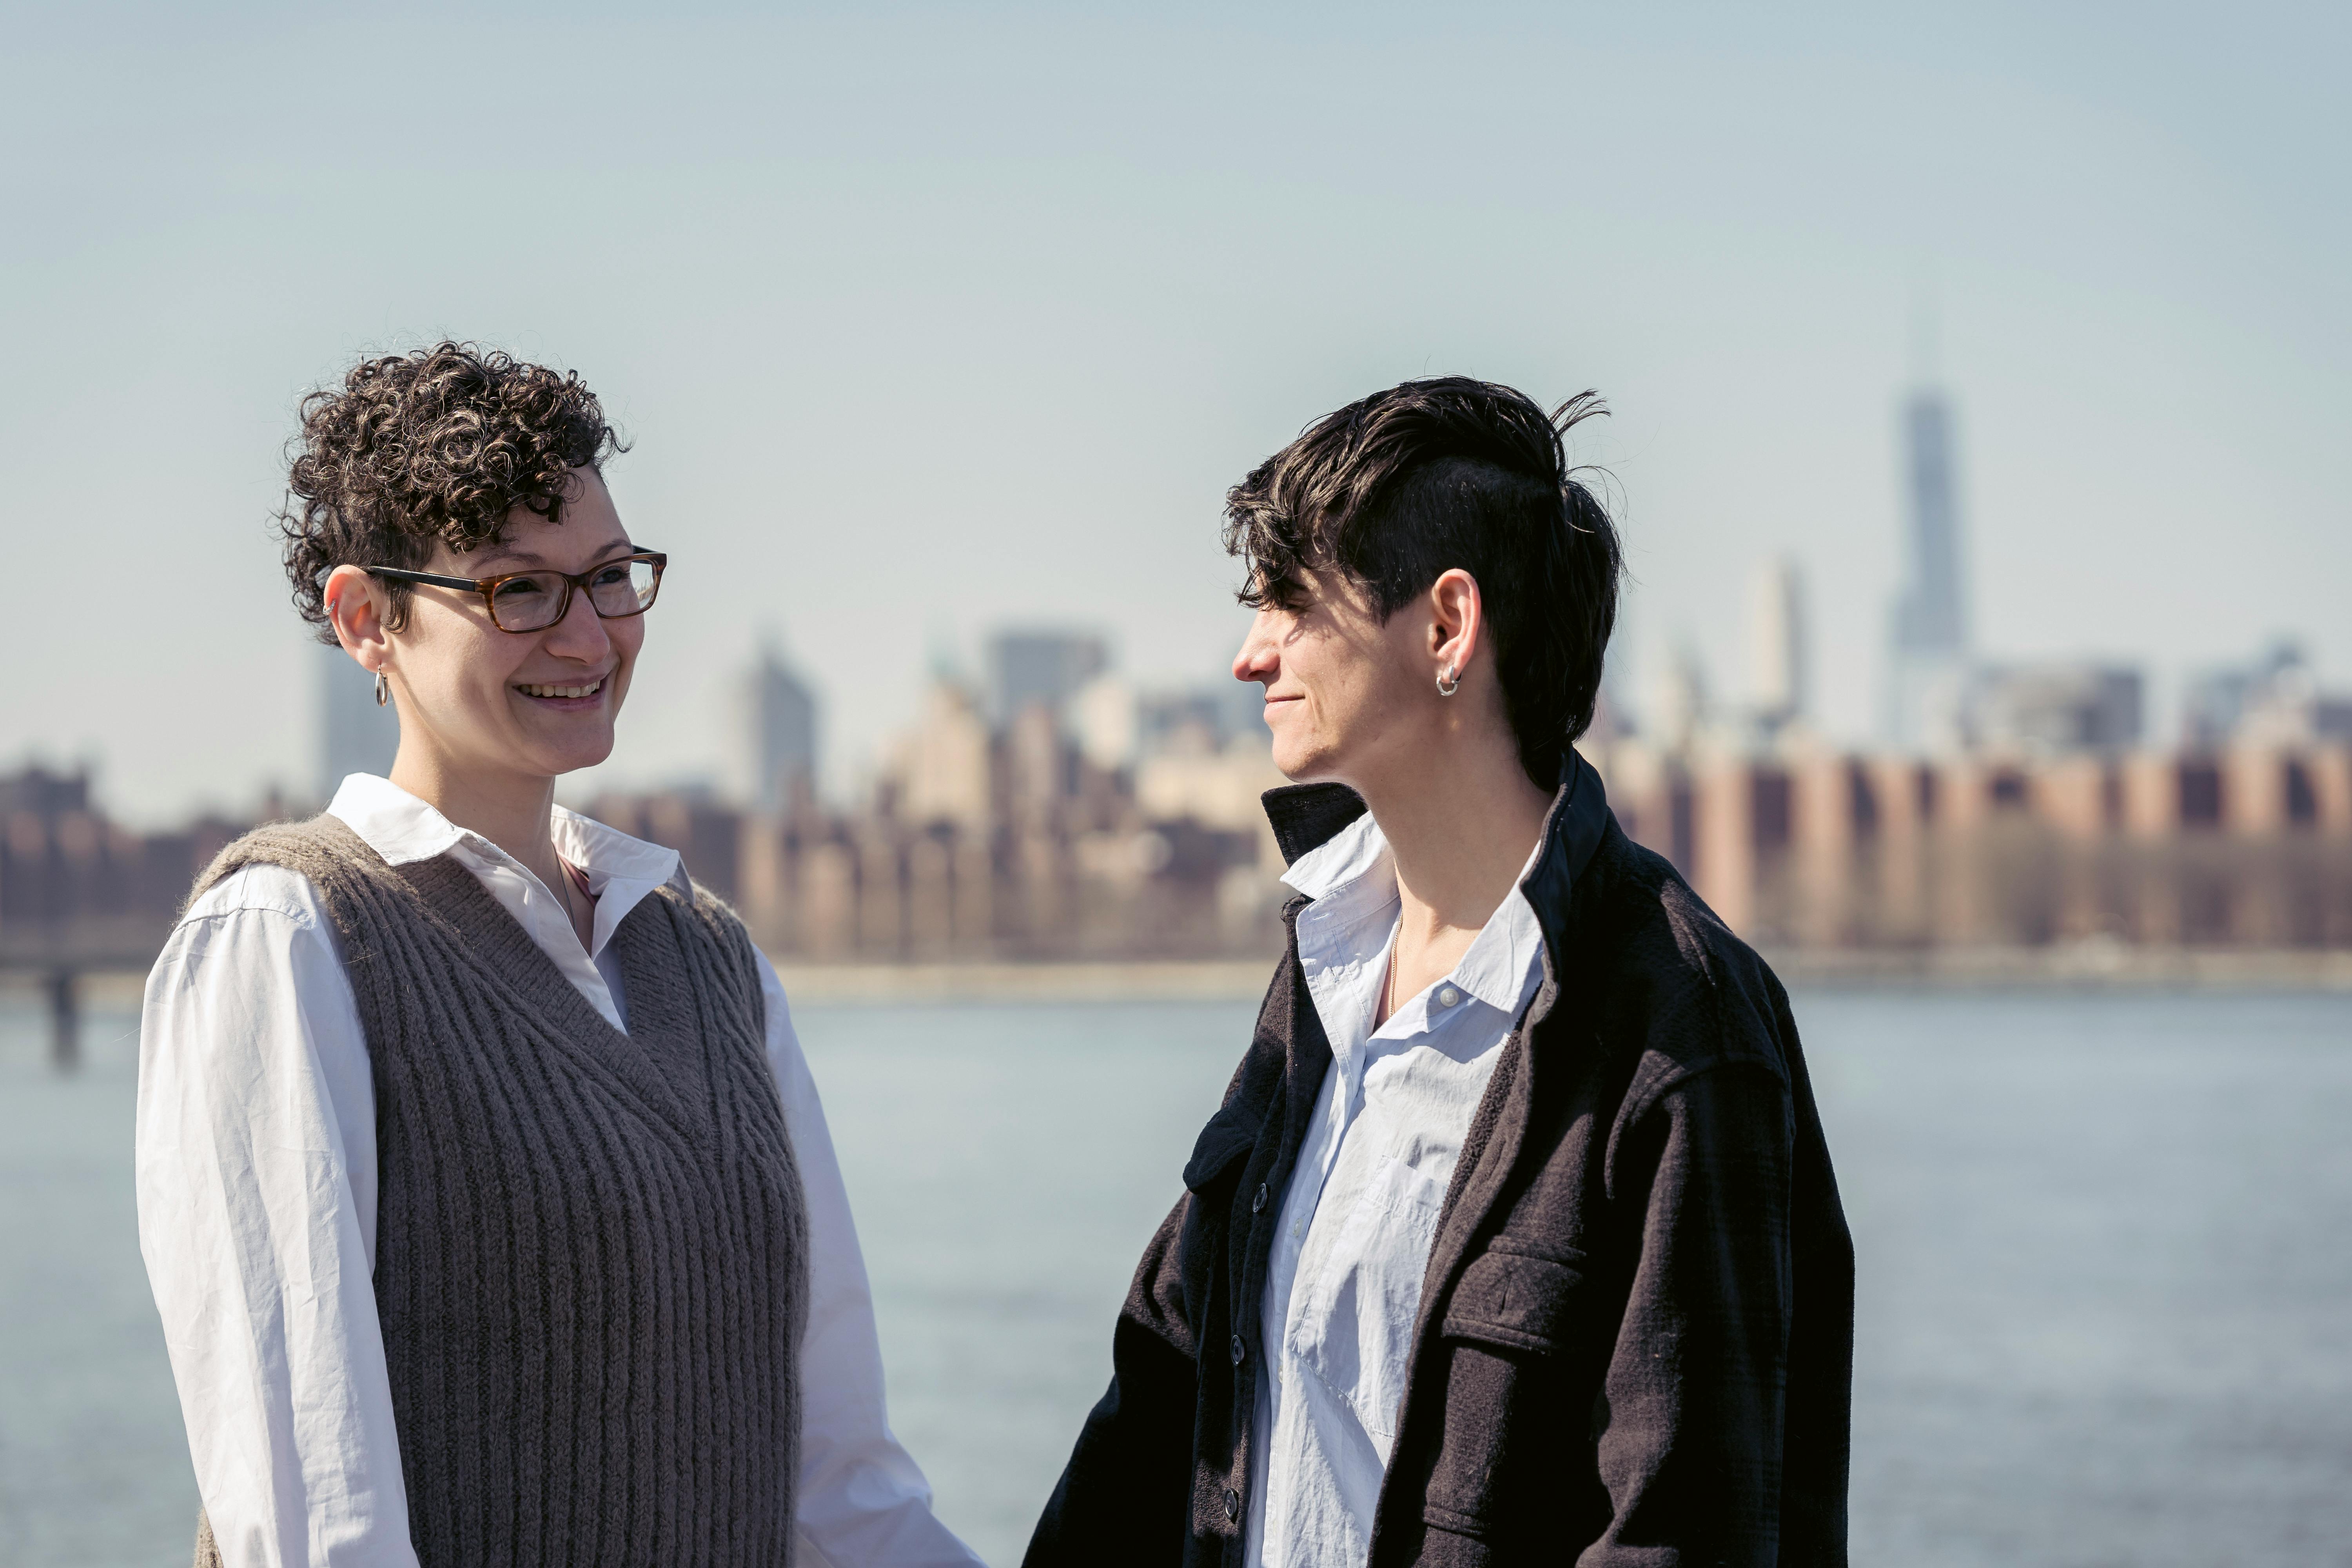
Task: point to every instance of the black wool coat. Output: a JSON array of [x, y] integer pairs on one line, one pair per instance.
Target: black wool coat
[[1635, 1339]]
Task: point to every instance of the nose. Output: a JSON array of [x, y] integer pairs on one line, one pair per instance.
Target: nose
[[1259, 659], [580, 634]]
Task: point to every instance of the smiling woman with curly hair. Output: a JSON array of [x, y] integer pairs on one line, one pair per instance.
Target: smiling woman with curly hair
[[486, 1194]]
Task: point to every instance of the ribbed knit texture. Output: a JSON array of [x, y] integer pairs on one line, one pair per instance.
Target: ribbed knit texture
[[590, 1246]]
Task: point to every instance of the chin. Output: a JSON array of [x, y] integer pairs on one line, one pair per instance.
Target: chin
[[590, 757], [1301, 764], [557, 759]]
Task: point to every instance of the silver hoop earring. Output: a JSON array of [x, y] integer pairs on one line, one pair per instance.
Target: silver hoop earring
[[383, 689], [1449, 683]]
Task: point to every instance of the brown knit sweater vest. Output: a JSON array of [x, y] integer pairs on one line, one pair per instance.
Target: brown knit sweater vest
[[591, 1247]]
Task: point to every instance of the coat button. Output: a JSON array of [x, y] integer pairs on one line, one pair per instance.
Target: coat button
[[1257, 1204], [1232, 1505], [1239, 1350]]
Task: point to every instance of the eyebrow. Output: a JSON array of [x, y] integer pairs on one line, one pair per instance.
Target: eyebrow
[[531, 559]]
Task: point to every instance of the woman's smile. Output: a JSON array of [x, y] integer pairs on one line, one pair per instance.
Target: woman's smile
[[574, 697]]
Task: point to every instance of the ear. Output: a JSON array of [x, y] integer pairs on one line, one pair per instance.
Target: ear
[[357, 607], [1457, 624]]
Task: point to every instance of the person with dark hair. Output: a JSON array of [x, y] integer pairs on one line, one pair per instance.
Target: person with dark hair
[[486, 1194], [1516, 1238]]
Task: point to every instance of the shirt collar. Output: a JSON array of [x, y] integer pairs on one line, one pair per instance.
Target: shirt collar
[[609, 855], [1353, 874], [1501, 969], [1355, 852], [403, 829]]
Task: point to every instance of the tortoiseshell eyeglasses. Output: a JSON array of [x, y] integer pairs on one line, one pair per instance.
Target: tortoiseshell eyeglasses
[[534, 601]]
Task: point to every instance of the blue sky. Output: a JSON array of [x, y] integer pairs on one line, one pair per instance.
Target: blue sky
[[926, 319]]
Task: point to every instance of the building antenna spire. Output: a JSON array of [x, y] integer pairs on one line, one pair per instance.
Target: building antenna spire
[[1926, 328]]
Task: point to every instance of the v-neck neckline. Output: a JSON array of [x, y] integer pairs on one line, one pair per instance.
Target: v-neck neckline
[[658, 1060]]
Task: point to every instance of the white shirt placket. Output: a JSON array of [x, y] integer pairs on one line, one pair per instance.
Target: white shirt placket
[[1356, 1225]]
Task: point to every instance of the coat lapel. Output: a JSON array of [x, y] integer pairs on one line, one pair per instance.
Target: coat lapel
[[1572, 831]]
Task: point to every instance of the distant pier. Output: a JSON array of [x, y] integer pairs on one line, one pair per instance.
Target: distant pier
[[81, 896]]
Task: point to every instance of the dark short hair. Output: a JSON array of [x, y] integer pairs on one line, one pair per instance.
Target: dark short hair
[[441, 444], [1402, 485]]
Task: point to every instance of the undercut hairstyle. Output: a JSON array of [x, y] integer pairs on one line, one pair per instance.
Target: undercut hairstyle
[[1407, 484], [438, 445]]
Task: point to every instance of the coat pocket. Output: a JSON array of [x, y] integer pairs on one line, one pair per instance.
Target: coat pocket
[[1229, 1135], [1520, 1299], [1518, 1401]]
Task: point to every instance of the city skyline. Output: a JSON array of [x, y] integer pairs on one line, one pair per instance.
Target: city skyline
[[1061, 811], [922, 324], [1939, 693], [775, 714], [2006, 711]]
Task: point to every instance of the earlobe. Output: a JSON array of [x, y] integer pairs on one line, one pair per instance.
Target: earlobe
[[1454, 633], [355, 616]]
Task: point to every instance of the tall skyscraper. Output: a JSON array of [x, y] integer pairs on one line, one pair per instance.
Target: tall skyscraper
[[1929, 663], [1046, 667], [354, 735], [775, 734]]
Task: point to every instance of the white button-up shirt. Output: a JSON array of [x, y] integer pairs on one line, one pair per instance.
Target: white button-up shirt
[[257, 1183], [1343, 1283]]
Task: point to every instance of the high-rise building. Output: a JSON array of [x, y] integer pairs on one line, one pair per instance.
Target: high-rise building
[[354, 735], [776, 732], [2274, 701], [1105, 718], [1928, 664], [1777, 672], [1679, 699], [2056, 708], [942, 765], [1040, 667]]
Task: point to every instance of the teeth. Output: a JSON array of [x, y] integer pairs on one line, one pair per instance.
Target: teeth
[[589, 690]]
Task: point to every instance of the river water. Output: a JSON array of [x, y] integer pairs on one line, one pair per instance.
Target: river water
[[2106, 1249]]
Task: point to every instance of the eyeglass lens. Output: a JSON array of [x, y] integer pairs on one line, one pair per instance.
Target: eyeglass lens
[[534, 599]]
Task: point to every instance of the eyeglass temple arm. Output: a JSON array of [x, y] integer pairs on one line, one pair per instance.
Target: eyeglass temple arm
[[430, 579]]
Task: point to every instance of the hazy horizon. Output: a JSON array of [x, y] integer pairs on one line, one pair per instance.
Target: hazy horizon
[[922, 322]]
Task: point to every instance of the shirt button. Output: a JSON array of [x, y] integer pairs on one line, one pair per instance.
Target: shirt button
[[1238, 1349], [1232, 1505], [1257, 1204], [1447, 996]]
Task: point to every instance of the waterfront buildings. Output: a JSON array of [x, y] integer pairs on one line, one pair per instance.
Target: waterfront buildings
[[1056, 810], [1129, 828]]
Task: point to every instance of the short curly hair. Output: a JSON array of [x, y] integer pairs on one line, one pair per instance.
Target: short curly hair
[[438, 445]]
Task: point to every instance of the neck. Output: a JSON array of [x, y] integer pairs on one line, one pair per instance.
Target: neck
[[513, 811], [1461, 822]]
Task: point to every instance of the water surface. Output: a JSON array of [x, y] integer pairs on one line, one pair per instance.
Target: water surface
[[2105, 1246]]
